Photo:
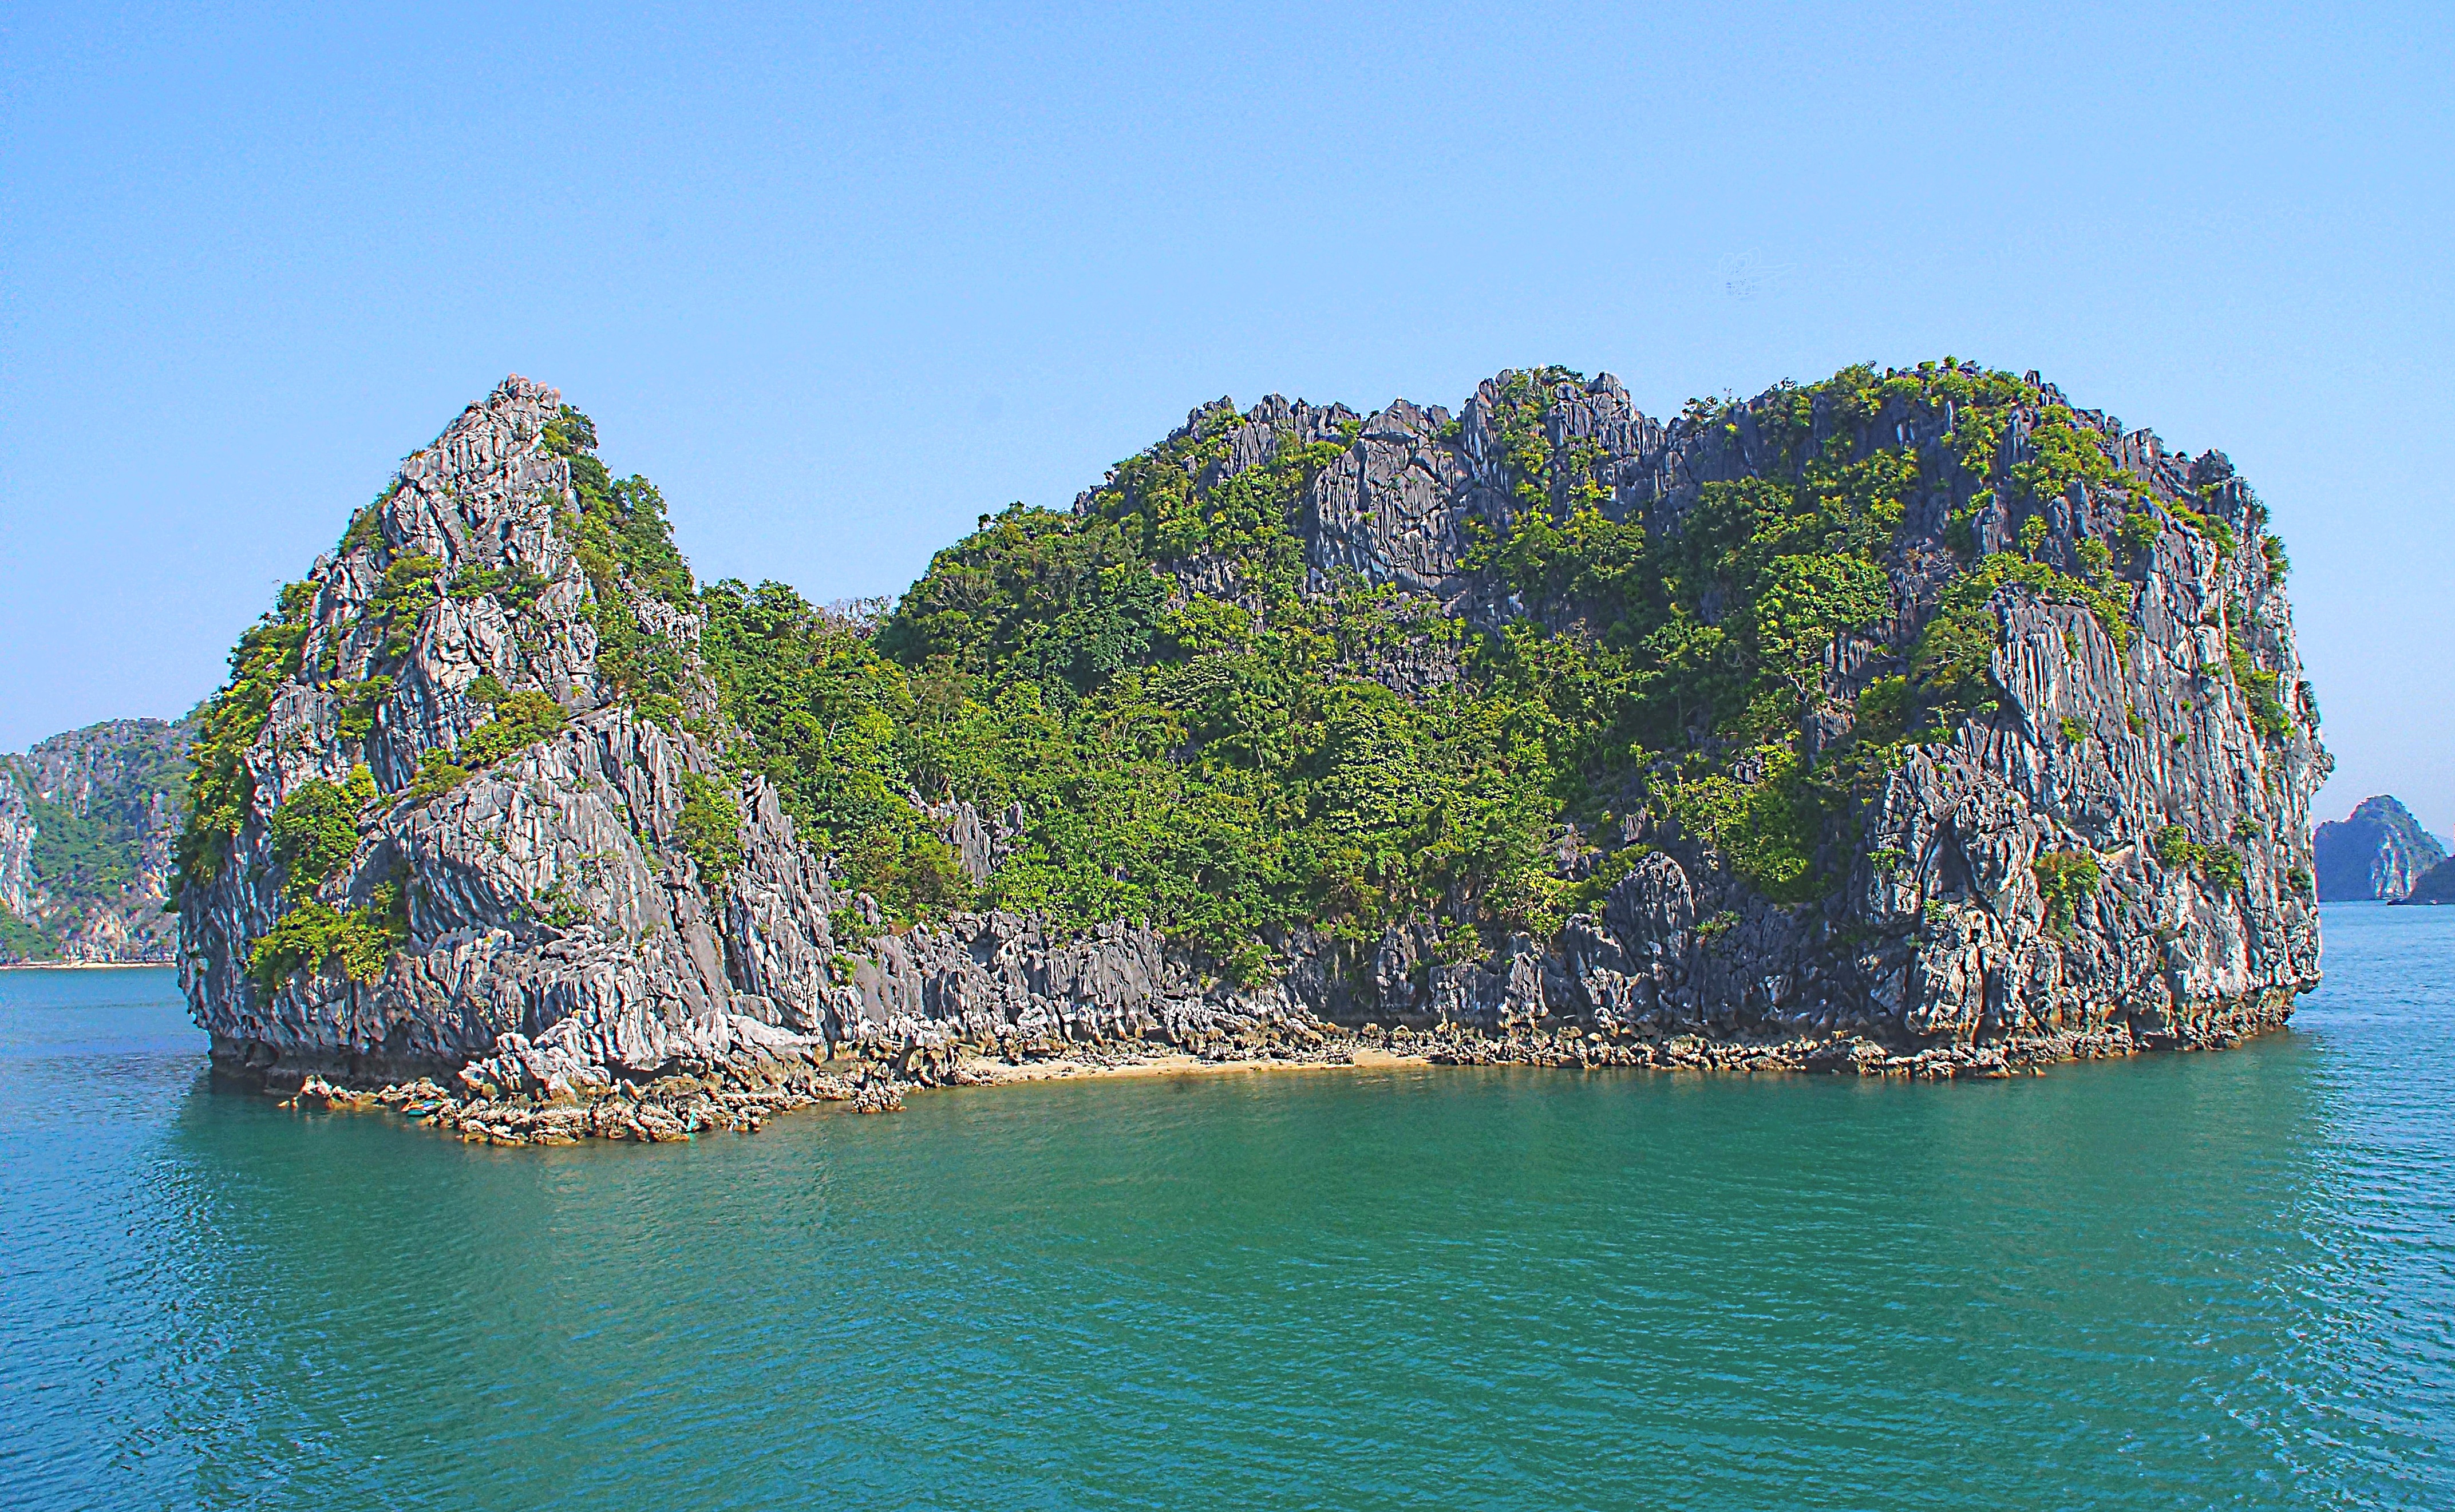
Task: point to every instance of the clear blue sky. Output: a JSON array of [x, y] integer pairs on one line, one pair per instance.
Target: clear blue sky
[[839, 282]]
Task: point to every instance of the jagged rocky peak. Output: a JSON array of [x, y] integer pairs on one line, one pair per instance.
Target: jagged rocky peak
[[451, 798], [1912, 714], [2375, 855]]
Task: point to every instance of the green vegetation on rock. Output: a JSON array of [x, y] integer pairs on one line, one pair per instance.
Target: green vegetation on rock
[[2220, 865], [22, 941], [1223, 766], [520, 719], [710, 824], [621, 536], [1162, 713], [316, 830], [227, 725], [309, 934], [2065, 879]]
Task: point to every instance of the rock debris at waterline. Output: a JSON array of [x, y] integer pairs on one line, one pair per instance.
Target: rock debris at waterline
[[740, 1100], [474, 809]]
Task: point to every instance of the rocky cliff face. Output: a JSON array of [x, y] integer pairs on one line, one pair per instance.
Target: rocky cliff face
[[546, 884], [19, 940], [2378, 853], [87, 820], [542, 917]]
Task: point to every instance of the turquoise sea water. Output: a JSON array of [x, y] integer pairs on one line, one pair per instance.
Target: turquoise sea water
[[2182, 1281]]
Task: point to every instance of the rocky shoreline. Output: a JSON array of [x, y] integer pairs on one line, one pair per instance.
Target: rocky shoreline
[[741, 1098]]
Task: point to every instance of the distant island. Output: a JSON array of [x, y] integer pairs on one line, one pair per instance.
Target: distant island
[[2376, 854], [1912, 722], [87, 823]]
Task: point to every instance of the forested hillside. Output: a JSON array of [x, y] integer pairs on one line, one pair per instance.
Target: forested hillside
[[1230, 762]]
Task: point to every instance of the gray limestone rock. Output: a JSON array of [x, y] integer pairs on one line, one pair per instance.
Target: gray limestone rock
[[551, 915]]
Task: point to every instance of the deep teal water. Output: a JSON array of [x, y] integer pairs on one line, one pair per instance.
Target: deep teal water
[[2183, 1281]]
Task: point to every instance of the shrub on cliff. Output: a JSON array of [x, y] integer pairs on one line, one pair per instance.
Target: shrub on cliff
[[710, 827], [316, 830], [625, 545], [220, 786], [2065, 879], [520, 719], [311, 934]]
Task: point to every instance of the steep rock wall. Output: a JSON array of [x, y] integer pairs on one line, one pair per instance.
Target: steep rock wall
[[551, 897]]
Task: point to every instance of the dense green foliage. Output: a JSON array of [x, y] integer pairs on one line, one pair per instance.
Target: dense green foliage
[[98, 850], [23, 941], [2220, 865], [411, 586], [2257, 685], [312, 933], [316, 830], [710, 823], [1234, 783], [844, 735], [1226, 766], [621, 537], [2065, 879], [1171, 516], [520, 719], [228, 723], [1766, 829]]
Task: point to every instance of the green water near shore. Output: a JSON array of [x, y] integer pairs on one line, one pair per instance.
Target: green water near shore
[[2179, 1281]]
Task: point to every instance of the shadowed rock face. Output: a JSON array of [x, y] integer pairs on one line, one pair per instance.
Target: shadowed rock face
[[2377, 854], [559, 929], [2434, 886]]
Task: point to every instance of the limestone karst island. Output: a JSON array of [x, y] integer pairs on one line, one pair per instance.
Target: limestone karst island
[[1912, 722]]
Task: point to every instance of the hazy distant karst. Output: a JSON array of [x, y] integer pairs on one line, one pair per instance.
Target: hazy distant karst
[[2434, 886], [1906, 722], [86, 824], [2378, 853]]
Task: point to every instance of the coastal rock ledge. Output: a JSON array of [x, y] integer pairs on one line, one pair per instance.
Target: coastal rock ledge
[[472, 838]]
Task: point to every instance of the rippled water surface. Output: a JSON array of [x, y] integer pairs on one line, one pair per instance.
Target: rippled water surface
[[2183, 1281]]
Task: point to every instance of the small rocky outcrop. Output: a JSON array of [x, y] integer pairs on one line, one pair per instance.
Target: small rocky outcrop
[[467, 826], [87, 821], [2375, 854], [2434, 886]]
